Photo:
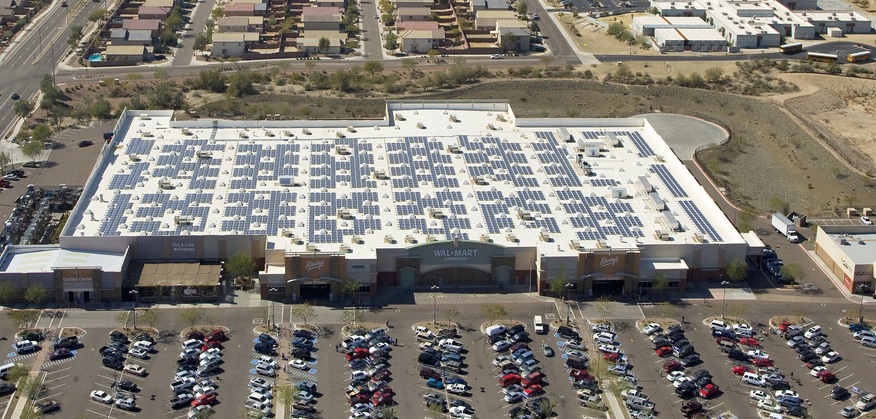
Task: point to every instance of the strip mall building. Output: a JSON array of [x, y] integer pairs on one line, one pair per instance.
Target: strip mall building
[[437, 193]]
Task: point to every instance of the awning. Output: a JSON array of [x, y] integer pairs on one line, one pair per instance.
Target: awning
[[755, 245], [662, 265]]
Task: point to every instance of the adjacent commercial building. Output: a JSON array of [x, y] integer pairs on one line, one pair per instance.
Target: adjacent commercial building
[[848, 253], [437, 193]]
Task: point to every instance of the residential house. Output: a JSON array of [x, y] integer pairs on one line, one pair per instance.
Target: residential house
[[407, 14], [413, 3], [151, 25], [246, 9], [487, 19], [309, 42], [128, 53], [121, 36], [232, 44], [478, 5], [162, 3], [413, 25], [153, 12], [328, 3], [517, 29], [241, 24], [322, 18], [420, 41], [7, 11]]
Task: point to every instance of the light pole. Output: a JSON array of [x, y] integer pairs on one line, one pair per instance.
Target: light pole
[[435, 289], [529, 268], [134, 293], [273, 321], [861, 310], [724, 297], [568, 287]]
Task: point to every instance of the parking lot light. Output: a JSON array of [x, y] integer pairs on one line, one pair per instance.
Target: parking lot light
[[134, 311], [569, 287], [724, 297], [435, 289]]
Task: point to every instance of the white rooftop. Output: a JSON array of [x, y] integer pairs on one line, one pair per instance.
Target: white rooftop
[[431, 171], [49, 258]]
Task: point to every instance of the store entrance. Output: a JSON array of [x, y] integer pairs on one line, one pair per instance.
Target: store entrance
[[608, 288], [315, 292]]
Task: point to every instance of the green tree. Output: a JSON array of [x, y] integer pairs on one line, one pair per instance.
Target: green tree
[[793, 272], [323, 44], [304, 311], [714, 74], [776, 204], [149, 317], [410, 63], [35, 294], [451, 314], [494, 311], [17, 372], [522, 8], [349, 290], [391, 43], [165, 95], [660, 284], [604, 307], [190, 316], [7, 291], [546, 60], [737, 269], [210, 80], [24, 318], [240, 265], [175, 20], [352, 317], [30, 386], [23, 108], [616, 29], [241, 84], [557, 285], [95, 15], [75, 35], [217, 13], [202, 40], [372, 67], [534, 28], [101, 109], [122, 318], [41, 133], [508, 41]]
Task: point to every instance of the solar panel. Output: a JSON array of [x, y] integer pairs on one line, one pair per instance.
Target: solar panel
[[699, 219], [645, 150], [669, 180]]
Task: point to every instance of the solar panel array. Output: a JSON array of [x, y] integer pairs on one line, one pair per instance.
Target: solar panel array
[[530, 186]]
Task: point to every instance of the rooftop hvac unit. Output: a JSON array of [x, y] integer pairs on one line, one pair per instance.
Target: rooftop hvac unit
[[592, 152], [524, 215], [388, 239], [306, 131], [183, 219], [436, 213], [662, 235], [165, 184], [430, 238], [546, 237], [288, 232], [145, 116], [486, 238], [342, 150], [205, 154], [410, 238], [645, 185], [133, 157], [575, 245], [345, 213], [668, 221], [344, 248], [452, 148], [147, 134], [698, 238], [380, 174], [511, 238], [611, 140], [618, 192], [479, 180], [311, 248], [453, 118], [357, 240]]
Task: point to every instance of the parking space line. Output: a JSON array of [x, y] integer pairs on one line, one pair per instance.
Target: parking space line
[[96, 413], [57, 371], [55, 379], [54, 387]]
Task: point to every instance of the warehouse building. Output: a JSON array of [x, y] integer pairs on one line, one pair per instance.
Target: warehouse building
[[436, 193]]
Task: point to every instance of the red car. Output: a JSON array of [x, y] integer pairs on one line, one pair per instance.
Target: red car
[[533, 391], [358, 398], [356, 354], [428, 373], [381, 400], [204, 400], [709, 391], [672, 365], [827, 377], [720, 339], [611, 357], [580, 375], [741, 369], [380, 375], [763, 362], [749, 342], [663, 351]]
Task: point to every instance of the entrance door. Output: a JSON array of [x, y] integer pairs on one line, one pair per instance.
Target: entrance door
[[407, 277], [607, 288], [313, 292], [71, 297], [86, 296]]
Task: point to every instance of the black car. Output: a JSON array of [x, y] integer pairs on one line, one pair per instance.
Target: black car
[[839, 393], [690, 360], [703, 381], [660, 342], [264, 349], [567, 332], [112, 352], [71, 342], [302, 342], [520, 337], [20, 173], [808, 355], [737, 355], [188, 360], [129, 386], [144, 336], [60, 353], [34, 336], [496, 338], [691, 407], [114, 363], [266, 339], [686, 391], [6, 388], [303, 333], [117, 336], [108, 135], [675, 336], [796, 411], [14, 96], [700, 373], [517, 328], [85, 143], [300, 353], [779, 385], [47, 406]]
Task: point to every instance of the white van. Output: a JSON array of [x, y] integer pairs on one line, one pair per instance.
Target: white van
[[540, 327], [866, 341], [4, 370], [191, 344], [496, 330], [717, 325], [752, 378]]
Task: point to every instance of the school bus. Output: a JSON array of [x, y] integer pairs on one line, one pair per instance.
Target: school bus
[[858, 56], [823, 58], [790, 48]]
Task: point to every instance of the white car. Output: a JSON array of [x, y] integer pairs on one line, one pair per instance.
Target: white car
[[794, 341], [741, 326], [145, 344], [457, 388], [135, 369], [198, 412], [768, 405], [269, 361], [866, 220], [830, 357], [263, 391], [812, 332], [259, 397], [822, 348], [190, 352], [211, 352], [360, 407], [611, 349], [101, 396], [787, 393], [205, 391], [266, 370], [862, 334], [651, 328], [500, 359], [817, 370], [496, 57], [379, 346], [260, 382], [757, 353], [601, 327], [759, 395], [681, 381], [139, 353], [204, 388], [604, 337], [675, 375], [300, 364]]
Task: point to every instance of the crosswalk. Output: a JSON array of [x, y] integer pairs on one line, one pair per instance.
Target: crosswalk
[[15, 358], [49, 364]]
